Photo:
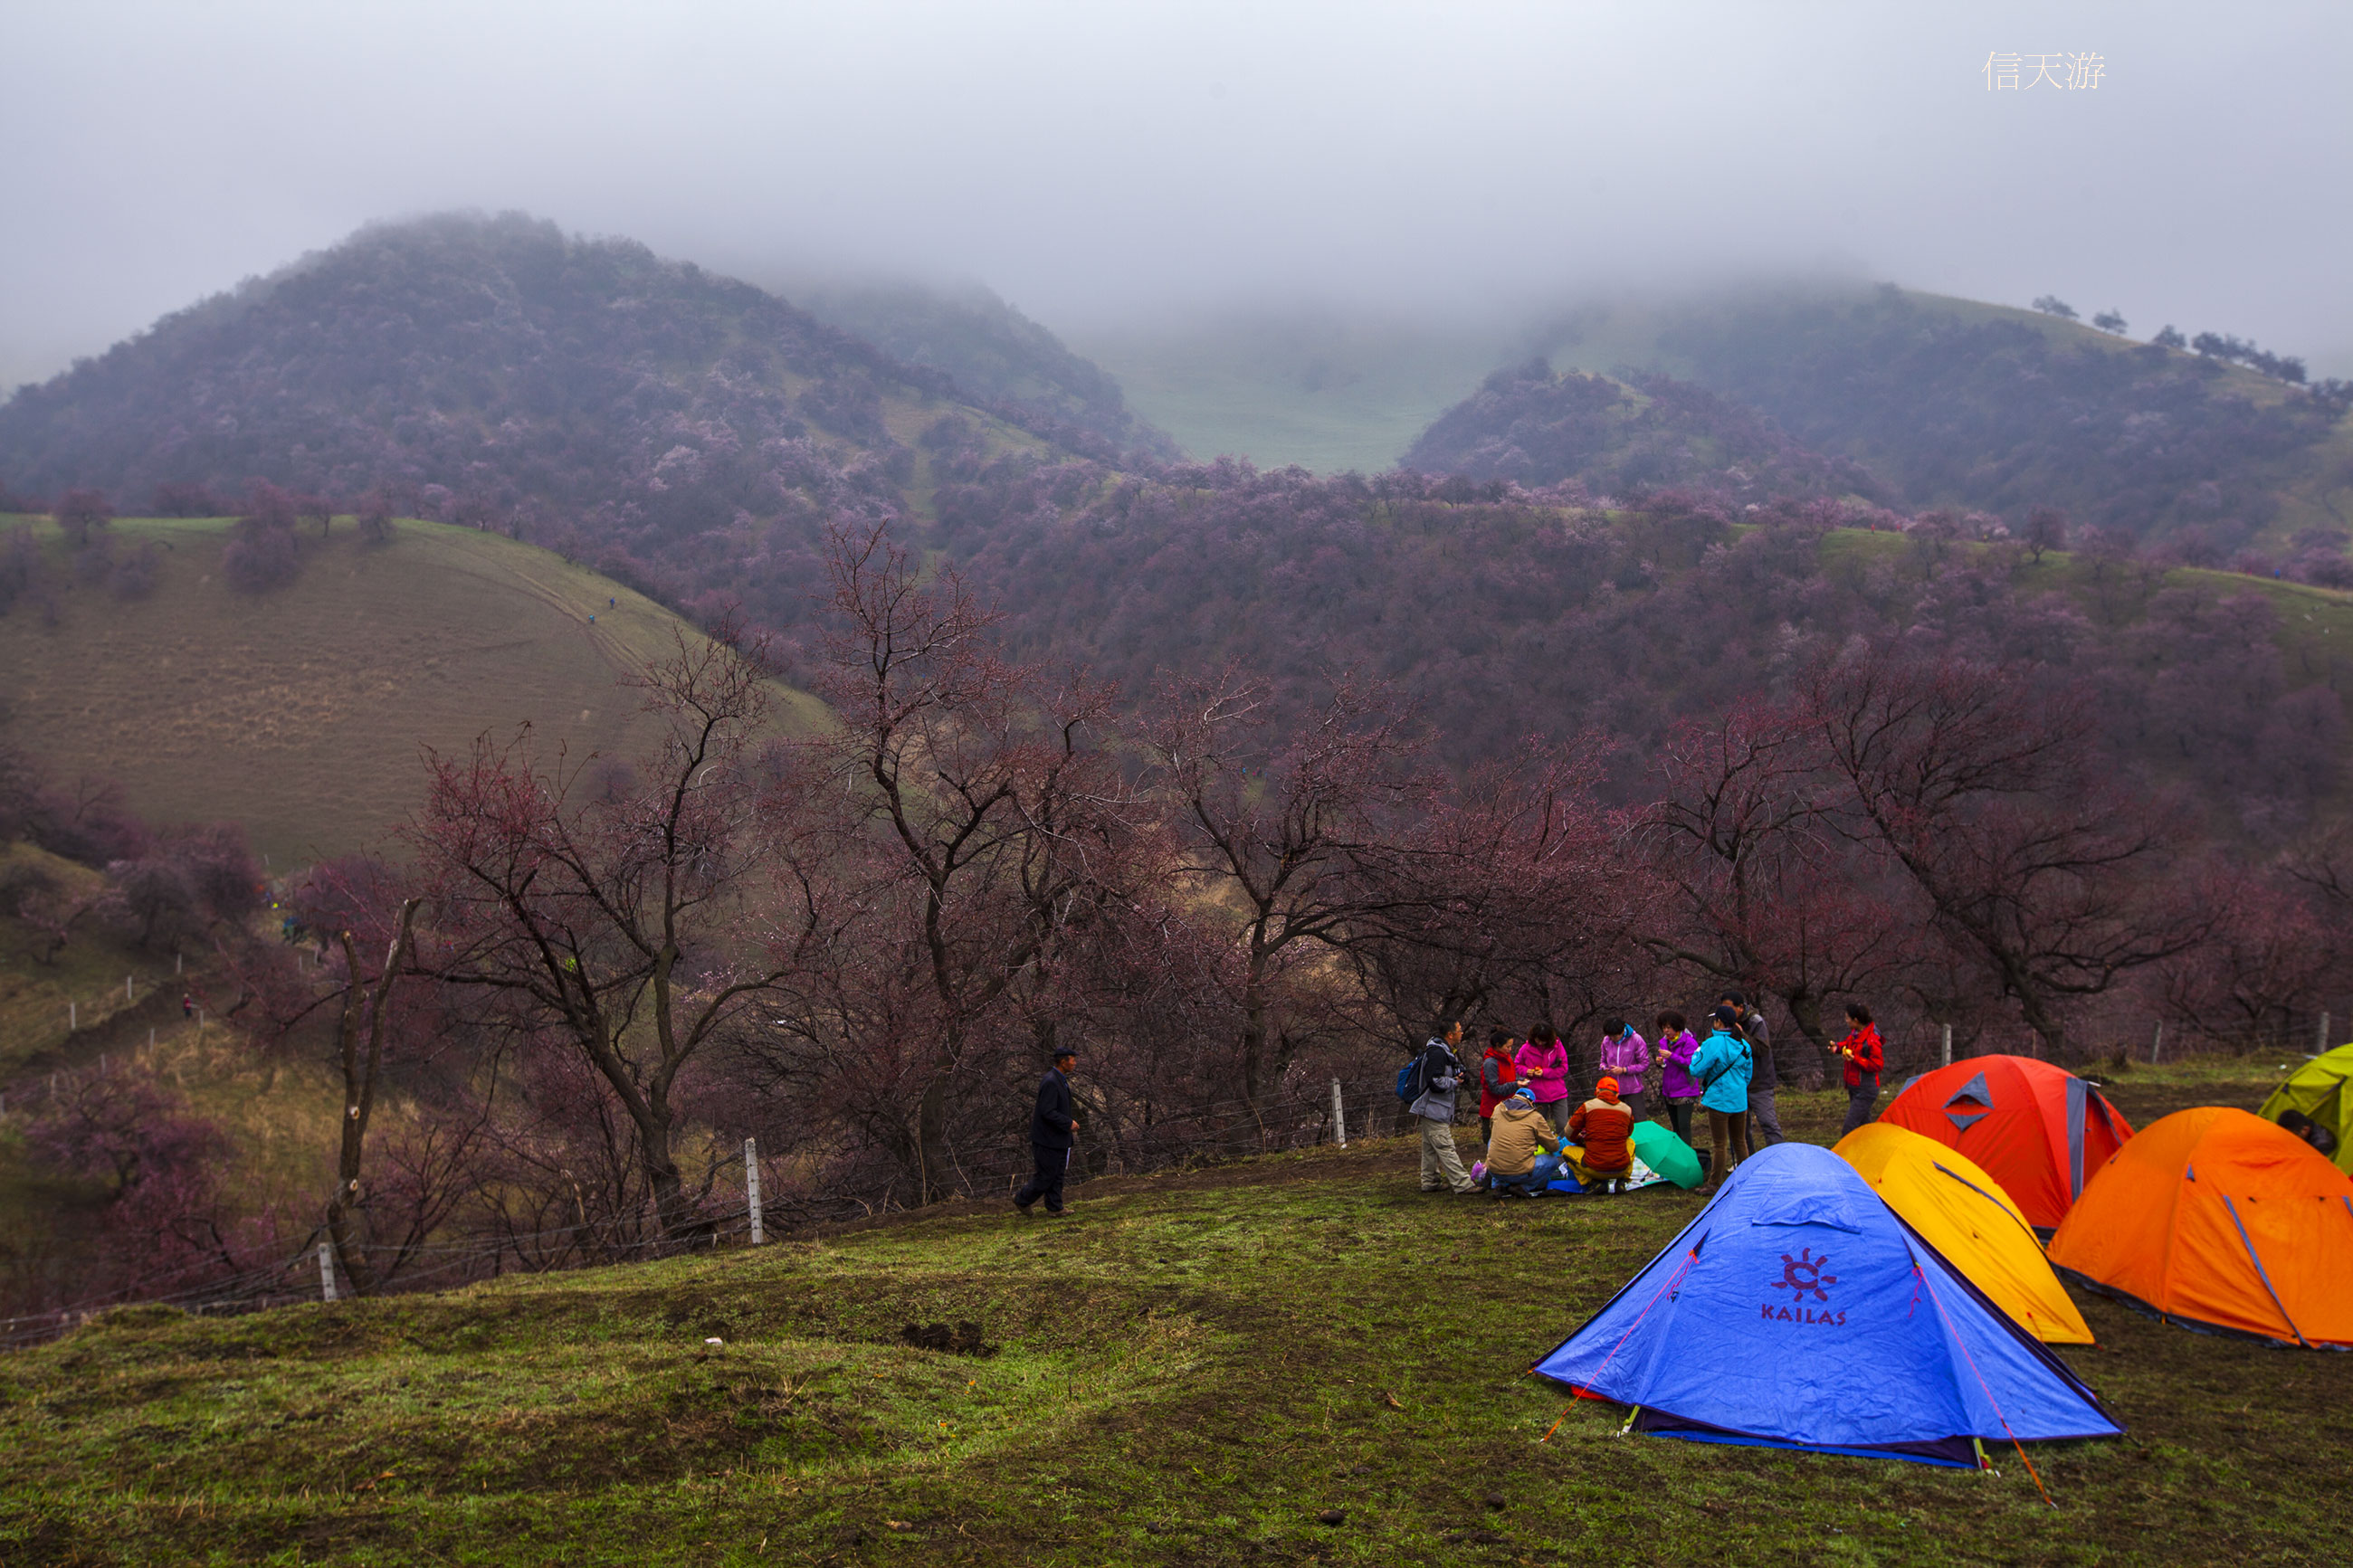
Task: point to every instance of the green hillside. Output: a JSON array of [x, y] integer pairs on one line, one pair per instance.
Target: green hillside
[[1297, 1360], [1329, 392], [299, 712]]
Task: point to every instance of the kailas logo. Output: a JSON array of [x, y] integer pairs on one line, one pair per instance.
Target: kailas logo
[[1802, 1275], [1805, 1277]]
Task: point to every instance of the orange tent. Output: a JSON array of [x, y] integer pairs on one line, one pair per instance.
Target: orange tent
[[2219, 1220], [2036, 1129]]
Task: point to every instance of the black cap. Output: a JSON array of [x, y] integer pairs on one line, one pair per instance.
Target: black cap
[[1726, 1016]]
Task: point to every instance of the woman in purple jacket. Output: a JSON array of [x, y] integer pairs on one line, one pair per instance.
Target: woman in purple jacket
[[1674, 1054], [1625, 1057], [1543, 1064]]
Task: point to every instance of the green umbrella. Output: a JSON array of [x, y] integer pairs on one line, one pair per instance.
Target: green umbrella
[[1659, 1147]]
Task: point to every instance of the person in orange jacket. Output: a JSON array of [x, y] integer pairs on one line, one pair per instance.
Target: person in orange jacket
[[1865, 1060], [1604, 1124]]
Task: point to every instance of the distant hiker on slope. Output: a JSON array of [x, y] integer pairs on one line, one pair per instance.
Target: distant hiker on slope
[[1722, 1065], [1864, 1061], [1524, 1157], [1053, 1133], [1764, 1117], [1438, 1070]]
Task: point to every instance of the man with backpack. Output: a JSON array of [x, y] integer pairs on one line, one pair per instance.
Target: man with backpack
[[1764, 1116], [1427, 1083]]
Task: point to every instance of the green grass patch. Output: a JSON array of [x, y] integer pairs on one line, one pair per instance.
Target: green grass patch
[[1329, 392], [301, 711], [1191, 1369]]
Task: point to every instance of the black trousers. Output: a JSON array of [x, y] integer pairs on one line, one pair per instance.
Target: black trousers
[[1861, 1103], [1052, 1164]]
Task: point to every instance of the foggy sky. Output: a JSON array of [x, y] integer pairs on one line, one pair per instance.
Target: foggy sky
[[1101, 162]]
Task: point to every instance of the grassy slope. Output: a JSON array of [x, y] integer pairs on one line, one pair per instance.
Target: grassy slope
[[281, 1116], [301, 711], [1326, 393], [2310, 618], [1192, 1369]]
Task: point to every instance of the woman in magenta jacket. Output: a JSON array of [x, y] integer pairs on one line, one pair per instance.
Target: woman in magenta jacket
[[1626, 1057], [1675, 1048], [1543, 1064]]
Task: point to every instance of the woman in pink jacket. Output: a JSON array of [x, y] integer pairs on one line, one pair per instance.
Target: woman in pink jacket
[[1543, 1064], [1625, 1055]]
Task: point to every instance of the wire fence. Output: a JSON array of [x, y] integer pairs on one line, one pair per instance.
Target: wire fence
[[1122, 1137], [2120, 1039], [162, 1000], [1137, 1139]]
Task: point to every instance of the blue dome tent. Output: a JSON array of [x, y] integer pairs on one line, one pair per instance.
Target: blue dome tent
[[1796, 1312]]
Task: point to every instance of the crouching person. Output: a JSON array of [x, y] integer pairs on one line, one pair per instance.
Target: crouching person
[[1523, 1153], [1605, 1126]]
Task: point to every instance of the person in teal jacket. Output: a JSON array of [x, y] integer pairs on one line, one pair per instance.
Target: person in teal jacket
[[1722, 1064]]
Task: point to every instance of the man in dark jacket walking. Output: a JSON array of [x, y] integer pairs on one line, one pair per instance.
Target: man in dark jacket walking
[[1764, 1115], [1053, 1133]]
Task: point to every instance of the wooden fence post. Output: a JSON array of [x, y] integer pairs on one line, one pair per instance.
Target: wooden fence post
[[2156, 1046], [2322, 1049], [327, 1270], [73, 1017], [1339, 1122], [127, 993], [1949, 1045], [752, 1186]]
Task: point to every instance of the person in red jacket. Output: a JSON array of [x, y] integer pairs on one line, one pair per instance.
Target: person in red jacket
[[1497, 1078], [1604, 1125], [1864, 1061]]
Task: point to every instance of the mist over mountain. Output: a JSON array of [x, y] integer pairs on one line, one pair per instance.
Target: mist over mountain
[[491, 370], [995, 353]]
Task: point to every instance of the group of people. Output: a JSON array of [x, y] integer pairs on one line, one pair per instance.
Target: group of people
[[1534, 1133]]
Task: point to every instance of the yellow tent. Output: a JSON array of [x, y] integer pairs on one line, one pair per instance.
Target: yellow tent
[[1964, 1214], [2317, 1089]]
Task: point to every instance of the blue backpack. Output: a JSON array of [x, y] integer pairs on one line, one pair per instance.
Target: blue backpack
[[1408, 1083]]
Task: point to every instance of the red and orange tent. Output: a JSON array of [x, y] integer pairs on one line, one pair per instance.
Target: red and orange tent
[[2036, 1129], [2218, 1219]]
